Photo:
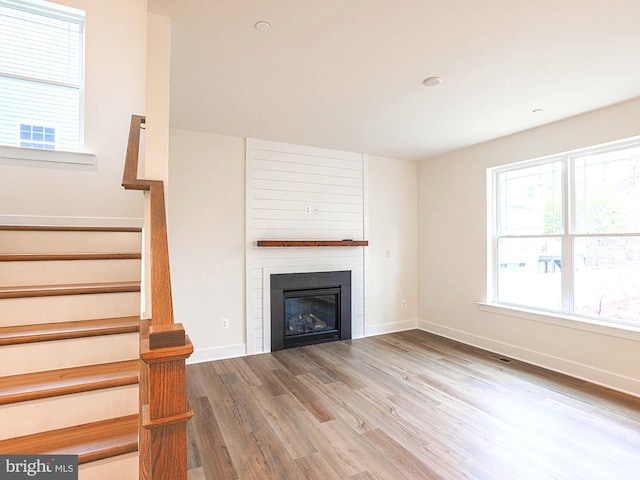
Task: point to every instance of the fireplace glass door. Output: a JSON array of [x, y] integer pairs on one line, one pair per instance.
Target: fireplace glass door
[[311, 316]]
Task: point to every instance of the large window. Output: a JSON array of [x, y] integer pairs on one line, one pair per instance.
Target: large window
[[566, 234], [41, 75]]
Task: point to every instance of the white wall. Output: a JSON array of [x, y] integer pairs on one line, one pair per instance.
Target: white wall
[[393, 245], [115, 59], [207, 240], [452, 255], [158, 98]]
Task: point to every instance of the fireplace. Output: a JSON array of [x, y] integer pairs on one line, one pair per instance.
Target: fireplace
[[309, 308]]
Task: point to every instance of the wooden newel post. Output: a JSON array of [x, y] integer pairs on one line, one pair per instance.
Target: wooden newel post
[[164, 429]]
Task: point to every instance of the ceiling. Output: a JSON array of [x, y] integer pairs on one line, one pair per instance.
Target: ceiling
[[347, 74]]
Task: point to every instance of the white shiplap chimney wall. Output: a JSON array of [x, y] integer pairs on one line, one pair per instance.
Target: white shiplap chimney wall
[[297, 192]]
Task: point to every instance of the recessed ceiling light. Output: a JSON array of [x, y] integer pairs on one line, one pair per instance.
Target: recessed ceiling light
[[536, 110], [263, 26], [432, 81]]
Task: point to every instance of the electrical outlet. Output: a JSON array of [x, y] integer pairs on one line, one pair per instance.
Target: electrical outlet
[[403, 304], [225, 323], [308, 209]]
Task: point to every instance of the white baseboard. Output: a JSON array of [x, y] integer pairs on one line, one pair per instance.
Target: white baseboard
[[239, 350], [591, 374], [217, 353], [391, 327], [70, 221]]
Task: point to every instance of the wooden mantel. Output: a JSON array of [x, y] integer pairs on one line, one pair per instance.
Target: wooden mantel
[[312, 243]]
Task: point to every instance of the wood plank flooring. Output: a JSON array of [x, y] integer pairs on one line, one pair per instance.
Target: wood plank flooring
[[407, 405]]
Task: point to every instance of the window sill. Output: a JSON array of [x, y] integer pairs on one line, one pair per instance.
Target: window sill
[[33, 157], [627, 332]]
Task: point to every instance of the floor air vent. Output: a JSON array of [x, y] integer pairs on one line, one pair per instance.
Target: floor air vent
[[500, 358]]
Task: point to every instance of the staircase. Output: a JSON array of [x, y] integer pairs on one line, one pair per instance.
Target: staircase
[[69, 345]]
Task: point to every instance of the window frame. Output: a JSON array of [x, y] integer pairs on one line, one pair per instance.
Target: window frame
[[567, 237], [9, 154]]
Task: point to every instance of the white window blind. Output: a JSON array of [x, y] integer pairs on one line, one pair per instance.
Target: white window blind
[[41, 75]]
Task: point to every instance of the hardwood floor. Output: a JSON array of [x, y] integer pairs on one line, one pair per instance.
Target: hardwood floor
[[408, 405]]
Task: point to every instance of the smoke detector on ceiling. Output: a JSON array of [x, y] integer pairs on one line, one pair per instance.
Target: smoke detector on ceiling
[[432, 81], [263, 26]]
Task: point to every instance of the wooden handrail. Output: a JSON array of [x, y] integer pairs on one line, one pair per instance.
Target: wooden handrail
[[164, 408], [130, 180], [161, 300]]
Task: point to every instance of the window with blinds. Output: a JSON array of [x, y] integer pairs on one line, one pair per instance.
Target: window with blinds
[[41, 75]]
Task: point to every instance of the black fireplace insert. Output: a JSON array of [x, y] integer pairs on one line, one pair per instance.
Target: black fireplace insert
[[309, 308]]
